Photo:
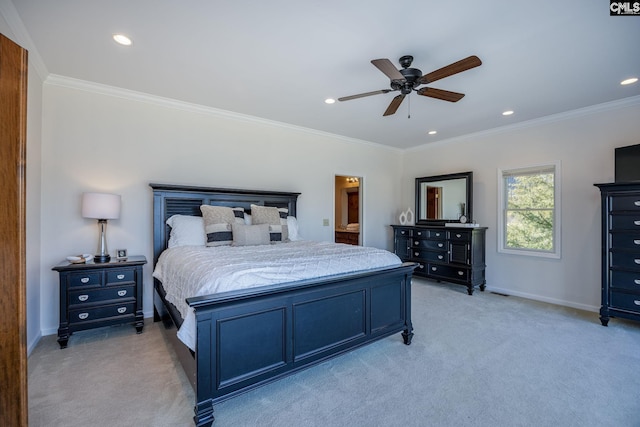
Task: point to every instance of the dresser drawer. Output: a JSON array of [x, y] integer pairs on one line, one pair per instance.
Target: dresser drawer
[[626, 222], [101, 312], [116, 277], [429, 255], [625, 280], [449, 272], [624, 259], [87, 278], [430, 234], [100, 295], [430, 244], [625, 301], [625, 241], [460, 236], [626, 203]]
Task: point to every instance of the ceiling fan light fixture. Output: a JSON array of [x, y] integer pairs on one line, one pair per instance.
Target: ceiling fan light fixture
[[507, 113], [629, 81], [122, 39], [329, 101], [433, 132]]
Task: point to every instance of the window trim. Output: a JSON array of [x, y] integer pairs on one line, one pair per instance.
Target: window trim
[[557, 211]]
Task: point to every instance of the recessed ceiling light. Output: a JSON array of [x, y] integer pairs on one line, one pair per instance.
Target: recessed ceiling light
[[122, 39], [629, 81], [329, 101], [433, 132], [507, 113]]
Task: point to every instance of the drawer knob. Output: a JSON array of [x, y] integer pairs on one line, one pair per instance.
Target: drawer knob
[[434, 268], [458, 235], [636, 302], [419, 233], [120, 276], [83, 316], [637, 281], [637, 203], [83, 297], [440, 256], [637, 260], [460, 273], [85, 280], [437, 234], [636, 242], [122, 309], [636, 222], [402, 232], [440, 245], [122, 293]]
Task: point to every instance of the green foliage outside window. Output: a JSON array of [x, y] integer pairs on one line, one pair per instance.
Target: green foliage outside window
[[530, 211]]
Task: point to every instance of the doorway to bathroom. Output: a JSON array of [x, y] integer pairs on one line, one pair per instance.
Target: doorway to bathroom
[[348, 209]]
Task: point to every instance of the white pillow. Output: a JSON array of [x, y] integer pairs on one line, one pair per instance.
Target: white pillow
[[186, 231], [292, 225]]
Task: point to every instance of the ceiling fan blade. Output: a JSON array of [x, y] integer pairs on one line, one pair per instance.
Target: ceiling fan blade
[[445, 95], [362, 95], [388, 68], [451, 69], [393, 107]]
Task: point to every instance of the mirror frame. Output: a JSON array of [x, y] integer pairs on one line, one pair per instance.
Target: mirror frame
[[468, 176]]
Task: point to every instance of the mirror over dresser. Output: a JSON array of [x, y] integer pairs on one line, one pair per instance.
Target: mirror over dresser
[[445, 247]]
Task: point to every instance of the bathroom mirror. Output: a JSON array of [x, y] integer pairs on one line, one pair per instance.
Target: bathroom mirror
[[444, 198]]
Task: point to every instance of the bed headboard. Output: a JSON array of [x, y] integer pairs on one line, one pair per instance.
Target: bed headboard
[[171, 200]]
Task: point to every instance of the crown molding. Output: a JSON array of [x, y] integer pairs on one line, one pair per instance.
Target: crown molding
[[131, 95], [631, 101], [22, 37]]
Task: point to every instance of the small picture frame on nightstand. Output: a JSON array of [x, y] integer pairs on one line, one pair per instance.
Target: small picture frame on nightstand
[[121, 254]]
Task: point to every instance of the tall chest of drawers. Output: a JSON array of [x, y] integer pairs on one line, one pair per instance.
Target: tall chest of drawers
[[451, 254], [93, 295], [620, 251]]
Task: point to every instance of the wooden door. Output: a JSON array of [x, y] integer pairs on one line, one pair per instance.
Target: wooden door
[[434, 207], [13, 340], [353, 207]]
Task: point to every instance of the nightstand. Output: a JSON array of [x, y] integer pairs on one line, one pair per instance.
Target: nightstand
[[93, 295]]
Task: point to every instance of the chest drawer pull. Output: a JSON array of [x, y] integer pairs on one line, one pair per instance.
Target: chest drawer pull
[[636, 222], [458, 235], [402, 231], [122, 310], [437, 234], [120, 276], [637, 203], [440, 245], [83, 316], [636, 242], [434, 268], [440, 256], [637, 260], [85, 280], [460, 273], [83, 297], [419, 233], [122, 293], [636, 302], [637, 281]]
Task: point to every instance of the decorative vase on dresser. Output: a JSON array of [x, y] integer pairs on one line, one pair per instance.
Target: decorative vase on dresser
[[93, 295], [620, 250], [450, 254]]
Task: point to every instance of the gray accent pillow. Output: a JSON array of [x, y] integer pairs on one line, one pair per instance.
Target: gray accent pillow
[[250, 235]]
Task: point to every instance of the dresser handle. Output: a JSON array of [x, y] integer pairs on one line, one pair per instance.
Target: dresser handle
[[416, 254], [440, 245], [83, 316], [402, 232], [416, 243], [637, 260], [434, 268], [637, 281], [85, 280], [458, 235], [636, 222], [636, 241], [440, 257], [122, 293], [437, 234], [637, 203], [637, 302], [122, 309], [460, 273], [83, 297], [421, 266], [419, 233], [120, 276]]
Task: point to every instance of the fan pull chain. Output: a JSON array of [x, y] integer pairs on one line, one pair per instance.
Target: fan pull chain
[[409, 111]]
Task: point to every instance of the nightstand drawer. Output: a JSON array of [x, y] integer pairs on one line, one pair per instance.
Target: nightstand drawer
[[625, 301], [101, 295], [87, 278], [101, 312], [116, 277]]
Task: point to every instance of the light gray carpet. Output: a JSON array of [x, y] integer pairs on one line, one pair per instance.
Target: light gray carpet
[[481, 360]]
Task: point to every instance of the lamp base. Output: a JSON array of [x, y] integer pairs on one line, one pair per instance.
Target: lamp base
[[101, 258]]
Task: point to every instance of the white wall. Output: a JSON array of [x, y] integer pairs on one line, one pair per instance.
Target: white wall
[[103, 139], [583, 141], [11, 27]]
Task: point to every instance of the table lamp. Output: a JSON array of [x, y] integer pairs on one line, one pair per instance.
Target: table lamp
[[101, 206]]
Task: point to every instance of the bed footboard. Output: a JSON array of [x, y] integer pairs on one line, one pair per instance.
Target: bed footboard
[[247, 340]]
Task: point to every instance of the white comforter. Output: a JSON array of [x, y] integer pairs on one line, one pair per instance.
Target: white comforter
[[190, 271]]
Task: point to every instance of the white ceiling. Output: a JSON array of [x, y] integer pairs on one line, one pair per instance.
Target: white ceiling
[[279, 59]]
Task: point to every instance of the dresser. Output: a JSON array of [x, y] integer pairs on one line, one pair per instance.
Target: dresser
[[620, 251], [451, 254], [93, 295]]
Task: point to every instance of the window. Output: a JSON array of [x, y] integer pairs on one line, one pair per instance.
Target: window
[[529, 206]]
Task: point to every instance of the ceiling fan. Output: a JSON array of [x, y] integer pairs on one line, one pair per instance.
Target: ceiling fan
[[408, 79]]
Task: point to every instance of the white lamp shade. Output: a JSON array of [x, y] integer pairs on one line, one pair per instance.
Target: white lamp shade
[[100, 206]]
